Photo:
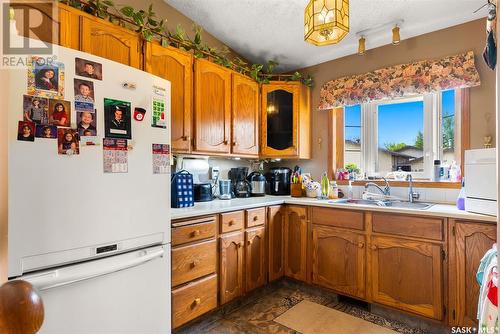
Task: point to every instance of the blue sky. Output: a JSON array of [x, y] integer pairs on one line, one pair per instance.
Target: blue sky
[[397, 122]]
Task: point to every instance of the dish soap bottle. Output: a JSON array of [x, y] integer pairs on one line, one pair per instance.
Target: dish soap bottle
[[325, 186], [461, 197], [350, 194]]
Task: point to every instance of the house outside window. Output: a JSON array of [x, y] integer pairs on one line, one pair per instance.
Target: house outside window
[[405, 134]]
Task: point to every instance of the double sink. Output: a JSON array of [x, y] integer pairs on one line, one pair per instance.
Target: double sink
[[392, 203]]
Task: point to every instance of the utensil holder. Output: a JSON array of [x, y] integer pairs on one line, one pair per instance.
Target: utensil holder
[[296, 189]]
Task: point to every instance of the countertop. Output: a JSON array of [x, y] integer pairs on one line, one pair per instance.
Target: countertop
[[219, 206]]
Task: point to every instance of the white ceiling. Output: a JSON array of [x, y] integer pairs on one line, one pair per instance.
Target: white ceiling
[[260, 30]]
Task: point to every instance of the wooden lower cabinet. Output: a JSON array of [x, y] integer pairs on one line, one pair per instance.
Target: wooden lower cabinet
[[338, 260], [193, 300], [469, 241], [407, 275], [193, 261], [296, 242], [276, 227], [231, 266], [255, 258]]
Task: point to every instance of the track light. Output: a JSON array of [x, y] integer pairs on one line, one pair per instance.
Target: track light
[[396, 38], [361, 46]]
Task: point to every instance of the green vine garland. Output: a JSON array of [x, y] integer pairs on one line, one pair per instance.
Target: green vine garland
[[152, 27]]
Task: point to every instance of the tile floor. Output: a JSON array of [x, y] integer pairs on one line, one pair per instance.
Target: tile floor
[[255, 313]]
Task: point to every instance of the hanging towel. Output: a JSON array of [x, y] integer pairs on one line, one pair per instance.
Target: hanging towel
[[487, 277], [485, 261], [490, 51]]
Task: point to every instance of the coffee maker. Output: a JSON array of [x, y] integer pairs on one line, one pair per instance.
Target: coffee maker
[[241, 187]]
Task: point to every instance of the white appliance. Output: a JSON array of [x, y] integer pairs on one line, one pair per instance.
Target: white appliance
[[481, 181], [97, 245]]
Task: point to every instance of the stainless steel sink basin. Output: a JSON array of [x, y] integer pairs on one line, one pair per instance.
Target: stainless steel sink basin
[[392, 204]]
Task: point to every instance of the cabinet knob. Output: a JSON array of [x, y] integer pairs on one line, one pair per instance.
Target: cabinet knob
[[361, 245], [230, 223], [194, 264], [195, 233], [302, 217], [374, 247], [184, 138], [235, 143], [249, 242], [197, 301], [255, 218], [225, 142], [240, 244]]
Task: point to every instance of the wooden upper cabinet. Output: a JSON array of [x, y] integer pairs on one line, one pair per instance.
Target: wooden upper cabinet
[[296, 242], [69, 27], [469, 241], [407, 275], [109, 41], [245, 116], [276, 228], [231, 266], [338, 260], [175, 66], [255, 258], [212, 115], [286, 120]]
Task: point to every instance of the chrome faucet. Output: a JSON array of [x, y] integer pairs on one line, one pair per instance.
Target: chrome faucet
[[385, 191], [412, 195]]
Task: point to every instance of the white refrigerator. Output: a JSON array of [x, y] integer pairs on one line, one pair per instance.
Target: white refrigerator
[[95, 244]]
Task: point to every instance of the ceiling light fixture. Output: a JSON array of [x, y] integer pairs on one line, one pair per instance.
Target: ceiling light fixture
[[396, 38], [326, 21], [361, 46]]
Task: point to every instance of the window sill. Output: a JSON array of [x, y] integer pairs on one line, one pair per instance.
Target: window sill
[[416, 183]]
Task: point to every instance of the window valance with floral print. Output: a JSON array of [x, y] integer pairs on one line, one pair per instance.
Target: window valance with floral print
[[421, 77]]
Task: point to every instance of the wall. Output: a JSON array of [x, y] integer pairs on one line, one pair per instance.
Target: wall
[[454, 40]]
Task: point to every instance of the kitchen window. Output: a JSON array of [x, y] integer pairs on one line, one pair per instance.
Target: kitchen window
[[404, 134]]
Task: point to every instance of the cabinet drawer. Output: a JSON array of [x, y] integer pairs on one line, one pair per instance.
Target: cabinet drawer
[[193, 232], [231, 221], [409, 226], [193, 261], [338, 218], [194, 299], [255, 217]]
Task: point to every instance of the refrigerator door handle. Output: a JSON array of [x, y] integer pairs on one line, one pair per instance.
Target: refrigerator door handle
[[73, 274]]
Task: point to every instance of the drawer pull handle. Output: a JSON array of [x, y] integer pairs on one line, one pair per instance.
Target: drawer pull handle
[[374, 247], [195, 233], [255, 218], [194, 264], [197, 301], [230, 223], [361, 245]]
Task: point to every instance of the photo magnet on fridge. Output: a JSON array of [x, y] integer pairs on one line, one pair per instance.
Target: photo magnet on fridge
[[60, 112], [139, 114], [88, 69], [46, 131], [84, 90], [67, 141], [35, 109], [87, 123], [26, 131], [117, 119], [45, 79]]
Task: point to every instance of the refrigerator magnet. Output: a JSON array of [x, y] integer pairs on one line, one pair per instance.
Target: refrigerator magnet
[[139, 114], [117, 119], [67, 141], [158, 113], [45, 79], [26, 131]]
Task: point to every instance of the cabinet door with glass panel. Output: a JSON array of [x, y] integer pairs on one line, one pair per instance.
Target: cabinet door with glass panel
[[286, 120]]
